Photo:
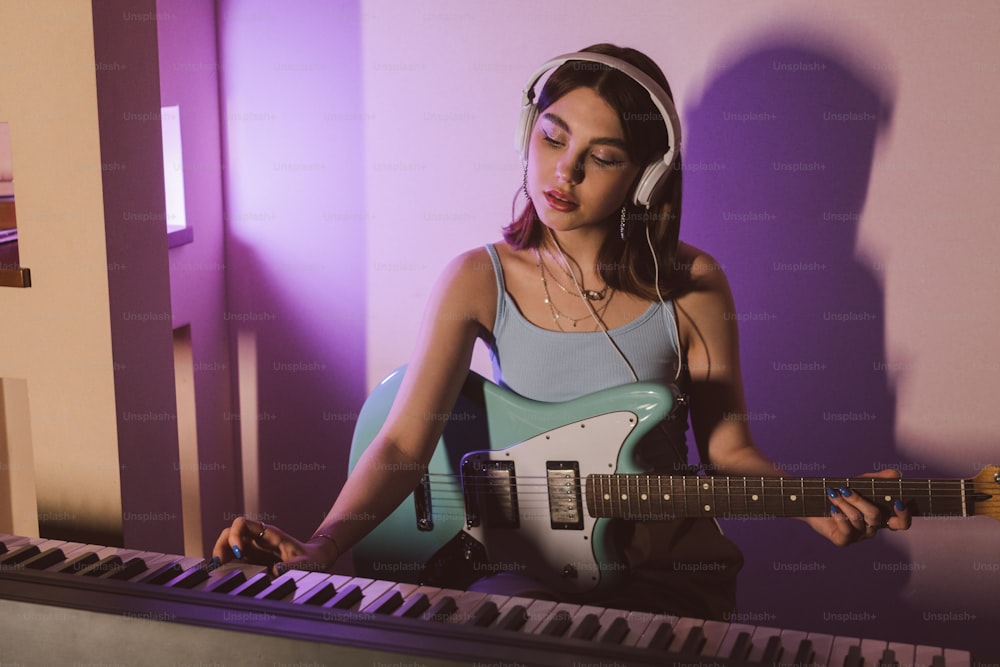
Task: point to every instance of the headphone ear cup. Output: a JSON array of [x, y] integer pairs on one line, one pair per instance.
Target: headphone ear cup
[[524, 126], [650, 183]]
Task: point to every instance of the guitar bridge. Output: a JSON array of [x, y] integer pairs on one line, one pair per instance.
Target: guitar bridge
[[422, 504]]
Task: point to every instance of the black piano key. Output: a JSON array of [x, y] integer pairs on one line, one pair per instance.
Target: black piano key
[[514, 619], [102, 566], [162, 574], [854, 657], [252, 586], [44, 560], [133, 567], [278, 590], [694, 641], [190, 578], [386, 603], [588, 627], [558, 624], [346, 598], [414, 606], [616, 632], [442, 609], [484, 615], [19, 555], [80, 563], [772, 651], [741, 649], [225, 583], [319, 595], [804, 654], [888, 659], [662, 638]]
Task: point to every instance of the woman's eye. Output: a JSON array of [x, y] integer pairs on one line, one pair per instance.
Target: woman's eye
[[549, 139], [608, 163]]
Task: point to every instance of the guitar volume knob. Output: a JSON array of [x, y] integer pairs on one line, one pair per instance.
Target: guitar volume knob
[[569, 572]]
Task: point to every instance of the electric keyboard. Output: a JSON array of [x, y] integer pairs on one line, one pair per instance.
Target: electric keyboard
[[74, 604]]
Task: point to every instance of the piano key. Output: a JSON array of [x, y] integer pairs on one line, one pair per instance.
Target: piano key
[[715, 633], [485, 614], [226, 582], [796, 649], [822, 645], [162, 574], [772, 651], [466, 603], [414, 606], [637, 622], [347, 597], [386, 603], [19, 554], [957, 658], [100, 567], [904, 653], [514, 618], [131, 568], [45, 560], [587, 628], [616, 632], [766, 645], [685, 630], [840, 648], [279, 589], [556, 624], [442, 609], [662, 637], [736, 644], [854, 657], [923, 656], [872, 651], [253, 585], [189, 578], [315, 588]]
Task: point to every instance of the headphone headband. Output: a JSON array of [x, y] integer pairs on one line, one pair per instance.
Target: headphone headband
[[655, 173]]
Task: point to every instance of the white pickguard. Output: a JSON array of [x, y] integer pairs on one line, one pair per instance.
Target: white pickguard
[[562, 556]]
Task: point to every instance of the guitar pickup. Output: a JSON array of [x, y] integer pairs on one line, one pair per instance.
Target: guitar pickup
[[490, 493], [565, 507]]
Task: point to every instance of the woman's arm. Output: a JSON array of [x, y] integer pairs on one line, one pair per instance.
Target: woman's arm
[[462, 304], [719, 419]]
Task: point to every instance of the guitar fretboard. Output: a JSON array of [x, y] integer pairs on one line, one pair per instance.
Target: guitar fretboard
[[659, 497]]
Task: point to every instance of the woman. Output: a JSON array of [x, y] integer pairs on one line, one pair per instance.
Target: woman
[[589, 289]]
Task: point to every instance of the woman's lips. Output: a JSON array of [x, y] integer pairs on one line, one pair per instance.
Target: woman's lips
[[560, 201]]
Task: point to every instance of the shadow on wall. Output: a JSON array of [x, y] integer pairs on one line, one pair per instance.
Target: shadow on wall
[[778, 158]]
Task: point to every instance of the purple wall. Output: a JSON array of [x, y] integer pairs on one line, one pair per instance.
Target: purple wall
[[295, 239]]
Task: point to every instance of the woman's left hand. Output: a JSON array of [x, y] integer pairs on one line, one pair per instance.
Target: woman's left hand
[[854, 518]]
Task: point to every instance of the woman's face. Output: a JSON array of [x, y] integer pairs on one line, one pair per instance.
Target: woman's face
[[578, 169]]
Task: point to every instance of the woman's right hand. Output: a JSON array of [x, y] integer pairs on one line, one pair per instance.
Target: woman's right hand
[[256, 542]]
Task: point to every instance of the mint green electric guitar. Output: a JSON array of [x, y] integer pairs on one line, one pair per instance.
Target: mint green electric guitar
[[528, 487]]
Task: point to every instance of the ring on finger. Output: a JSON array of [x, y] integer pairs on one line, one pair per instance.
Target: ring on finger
[[263, 527]]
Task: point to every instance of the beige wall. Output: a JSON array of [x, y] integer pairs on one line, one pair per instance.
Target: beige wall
[[91, 337]]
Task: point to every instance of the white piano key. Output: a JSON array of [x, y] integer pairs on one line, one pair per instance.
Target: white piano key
[[872, 651], [904, 653], [683, 628], [790, 642], [957, 658], [314, 580], [823, 647], [547, 616], [649, 632], [637, 622], [923, 656], [839, 650], [715, 634], [732, 637]]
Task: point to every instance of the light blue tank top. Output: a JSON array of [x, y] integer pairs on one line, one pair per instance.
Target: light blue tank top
[[558, 366]]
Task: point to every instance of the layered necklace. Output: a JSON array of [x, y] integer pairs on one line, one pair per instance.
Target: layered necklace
[[605, 295]]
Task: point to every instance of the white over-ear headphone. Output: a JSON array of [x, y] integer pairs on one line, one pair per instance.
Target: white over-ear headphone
[[656, 172]]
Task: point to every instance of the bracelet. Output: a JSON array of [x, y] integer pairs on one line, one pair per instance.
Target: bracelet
[[328, 536]]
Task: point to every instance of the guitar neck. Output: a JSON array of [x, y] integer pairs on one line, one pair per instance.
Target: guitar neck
[[658, 497]]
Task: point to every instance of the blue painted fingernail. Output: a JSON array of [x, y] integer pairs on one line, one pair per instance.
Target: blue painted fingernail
[[281, 568], [846, 492], [214, 563], [236, 552], [834, 510], [831, 493], [899, 505]]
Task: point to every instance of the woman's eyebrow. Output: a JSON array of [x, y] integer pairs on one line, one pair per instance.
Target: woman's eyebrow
[[558, 121]]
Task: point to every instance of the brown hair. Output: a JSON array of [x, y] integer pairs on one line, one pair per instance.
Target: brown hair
[[624, 265]]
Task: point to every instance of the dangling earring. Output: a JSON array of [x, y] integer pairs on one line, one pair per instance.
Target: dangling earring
[[621, 230], [524, 183]]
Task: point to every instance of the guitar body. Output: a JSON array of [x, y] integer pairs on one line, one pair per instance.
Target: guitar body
[[505, 484]]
